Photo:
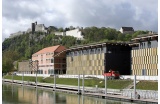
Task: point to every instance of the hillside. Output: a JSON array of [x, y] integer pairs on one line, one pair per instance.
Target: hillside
[[22, 47]]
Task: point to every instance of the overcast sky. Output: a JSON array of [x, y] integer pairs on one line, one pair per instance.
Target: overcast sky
[[17, 15]]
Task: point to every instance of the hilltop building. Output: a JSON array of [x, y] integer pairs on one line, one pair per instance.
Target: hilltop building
[[34, 28], [95, 59], [144, 55], [60, 33], [16, 34], [75, 33], [38, 27], [125, 30], [47, 64]]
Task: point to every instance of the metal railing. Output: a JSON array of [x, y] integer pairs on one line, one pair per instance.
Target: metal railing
[[145, 94]]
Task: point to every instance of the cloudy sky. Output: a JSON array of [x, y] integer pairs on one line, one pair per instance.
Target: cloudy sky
[[17, 15]]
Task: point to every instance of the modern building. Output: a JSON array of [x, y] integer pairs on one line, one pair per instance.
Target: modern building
[[48, 63], [145, 55], [95, 59], [125, 30]]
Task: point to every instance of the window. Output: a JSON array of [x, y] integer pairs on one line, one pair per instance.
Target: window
[[52, 60], [63, 66], [149, 44]]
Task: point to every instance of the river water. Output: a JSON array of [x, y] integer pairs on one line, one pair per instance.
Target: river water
[[16, 94]]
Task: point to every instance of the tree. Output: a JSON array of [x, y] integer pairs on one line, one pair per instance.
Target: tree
[[8, 58]]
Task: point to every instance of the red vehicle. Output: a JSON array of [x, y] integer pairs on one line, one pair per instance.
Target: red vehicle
[[112, 74]]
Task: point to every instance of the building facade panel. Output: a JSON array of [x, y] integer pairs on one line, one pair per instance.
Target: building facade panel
[[145, 59]]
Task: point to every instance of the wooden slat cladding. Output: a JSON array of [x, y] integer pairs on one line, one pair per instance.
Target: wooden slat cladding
[[92, 64], [145, 59]]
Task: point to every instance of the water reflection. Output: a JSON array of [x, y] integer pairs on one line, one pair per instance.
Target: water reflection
[[15, 94]]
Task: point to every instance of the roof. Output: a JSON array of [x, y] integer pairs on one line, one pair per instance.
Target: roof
[[145, 36], [99, 44], [127, 28], [57, 48]]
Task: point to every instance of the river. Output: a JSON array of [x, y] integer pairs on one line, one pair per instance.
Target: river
[[16, 94]]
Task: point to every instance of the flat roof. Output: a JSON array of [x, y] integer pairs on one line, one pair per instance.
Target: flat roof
[[96, 45], [145, 36]]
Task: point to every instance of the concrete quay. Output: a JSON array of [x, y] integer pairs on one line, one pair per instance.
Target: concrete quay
[[88, 91]]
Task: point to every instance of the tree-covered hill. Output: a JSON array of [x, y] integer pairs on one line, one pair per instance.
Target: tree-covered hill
[[22, 47]]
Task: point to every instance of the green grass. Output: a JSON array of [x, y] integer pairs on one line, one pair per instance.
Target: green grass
[[147, 85], [113, 84]]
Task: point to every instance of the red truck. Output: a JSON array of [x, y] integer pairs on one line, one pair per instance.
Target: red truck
[[112, 74]]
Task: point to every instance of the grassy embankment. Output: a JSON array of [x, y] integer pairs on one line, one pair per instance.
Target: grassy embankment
[[114, 84], [147, 85]]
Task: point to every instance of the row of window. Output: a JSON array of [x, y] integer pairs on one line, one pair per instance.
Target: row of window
[[50, 71], [85, 52], [147, 44], [36, 55]]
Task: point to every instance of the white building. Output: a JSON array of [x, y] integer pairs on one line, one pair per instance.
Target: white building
[[16, 34], [60, 33], [40, 27], [125, 30], [75, 33]]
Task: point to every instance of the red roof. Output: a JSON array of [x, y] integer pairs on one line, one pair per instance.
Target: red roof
[[57, 48]]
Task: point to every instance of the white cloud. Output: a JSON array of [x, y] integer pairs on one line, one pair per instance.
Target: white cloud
[[18, 15]]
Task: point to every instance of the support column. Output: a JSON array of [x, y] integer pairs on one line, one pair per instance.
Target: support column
[[105, 85], [79, 84], [135, 86], [83, 84], [12, 77], [54, 81], [22, 78], [36, 78]]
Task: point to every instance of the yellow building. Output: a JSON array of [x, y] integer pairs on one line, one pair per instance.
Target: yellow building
[[144, 55]]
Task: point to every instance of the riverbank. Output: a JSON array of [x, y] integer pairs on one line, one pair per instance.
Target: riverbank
[[88, 91]]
